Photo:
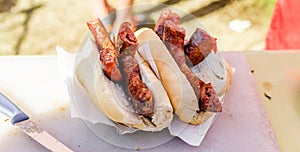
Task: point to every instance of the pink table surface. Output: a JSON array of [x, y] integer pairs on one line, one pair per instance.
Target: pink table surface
[[242, 126]]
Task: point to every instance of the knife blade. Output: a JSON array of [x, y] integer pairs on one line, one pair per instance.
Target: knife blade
[[21, 120]]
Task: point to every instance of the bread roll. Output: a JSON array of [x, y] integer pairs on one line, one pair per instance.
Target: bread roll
[[110, 98], [181, 94]]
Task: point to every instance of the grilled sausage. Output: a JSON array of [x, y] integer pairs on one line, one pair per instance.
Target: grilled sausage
[[126, 39], [166, 15], [174, 38], [141, 95], [108, 53], [199, 46]]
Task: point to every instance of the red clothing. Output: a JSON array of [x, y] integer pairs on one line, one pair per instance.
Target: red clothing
[[284, 32]]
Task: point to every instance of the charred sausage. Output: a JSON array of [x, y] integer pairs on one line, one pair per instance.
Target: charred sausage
[[174, 39], [199, 46], [166, 15], [108, 53], [141, 95]]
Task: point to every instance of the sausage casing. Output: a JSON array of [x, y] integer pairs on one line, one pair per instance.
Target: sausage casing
[[174, 39], [166, 15], [108, 53], [141, 96], [199, 46]]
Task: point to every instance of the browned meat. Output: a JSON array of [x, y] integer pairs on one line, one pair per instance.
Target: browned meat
[[199, 46], [141, 95], [108, 53], [166, 15], [209, 98], [194, 81], [174, 38], [126, 38]]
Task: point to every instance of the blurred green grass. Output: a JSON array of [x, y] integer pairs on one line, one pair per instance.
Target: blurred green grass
[[36, 27]]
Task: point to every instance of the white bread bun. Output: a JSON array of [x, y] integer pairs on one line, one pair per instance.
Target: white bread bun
[[110, 98], [181, 94]]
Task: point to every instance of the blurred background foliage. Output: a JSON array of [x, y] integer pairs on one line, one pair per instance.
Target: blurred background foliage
[[36, 27]]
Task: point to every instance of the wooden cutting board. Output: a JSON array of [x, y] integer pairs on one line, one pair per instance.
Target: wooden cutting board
[[34, 84]]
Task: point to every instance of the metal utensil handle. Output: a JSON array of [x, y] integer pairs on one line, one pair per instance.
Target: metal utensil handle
[[10, 110]]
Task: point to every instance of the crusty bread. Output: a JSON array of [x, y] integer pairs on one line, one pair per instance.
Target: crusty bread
[[111, 100], [181, 94]]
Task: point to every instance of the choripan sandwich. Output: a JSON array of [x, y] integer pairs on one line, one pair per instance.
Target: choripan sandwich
[[142, 87], [127, 91], [193, 99]]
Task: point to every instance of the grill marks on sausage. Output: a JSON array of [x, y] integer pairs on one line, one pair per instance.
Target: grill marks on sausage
[[166, 15], [126, 39], [173, 37], [209, 98], [141, 95], [108, 53], [199, 46]]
